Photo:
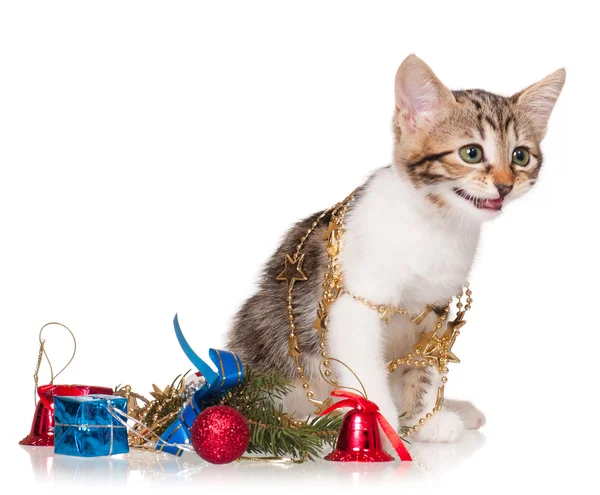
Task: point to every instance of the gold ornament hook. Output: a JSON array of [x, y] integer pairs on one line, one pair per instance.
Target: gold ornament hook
[[335, 383], [42, 352]]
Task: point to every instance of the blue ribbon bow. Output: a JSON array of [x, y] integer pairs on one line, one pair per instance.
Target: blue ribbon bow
[[230, 373]]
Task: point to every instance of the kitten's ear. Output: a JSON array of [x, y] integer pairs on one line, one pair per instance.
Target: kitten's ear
[[421, 97], [539, 99]]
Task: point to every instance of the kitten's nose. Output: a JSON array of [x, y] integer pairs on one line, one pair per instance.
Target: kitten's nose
[[503, 189]]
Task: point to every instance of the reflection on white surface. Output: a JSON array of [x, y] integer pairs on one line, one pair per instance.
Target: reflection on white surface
[[430, 461]]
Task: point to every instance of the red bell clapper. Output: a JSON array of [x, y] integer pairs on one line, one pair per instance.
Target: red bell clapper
[[359, 438]]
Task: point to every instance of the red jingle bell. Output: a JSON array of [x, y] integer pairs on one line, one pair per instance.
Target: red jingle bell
[[42, 426], [359, 439]]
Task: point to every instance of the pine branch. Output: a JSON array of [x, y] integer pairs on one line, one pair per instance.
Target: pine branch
[[256, 388], [272, 431], [271, 434]]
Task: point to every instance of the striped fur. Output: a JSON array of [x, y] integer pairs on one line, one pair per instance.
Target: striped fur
[[479, 117]]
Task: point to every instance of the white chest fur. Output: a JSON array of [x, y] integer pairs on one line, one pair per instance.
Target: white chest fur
[[399, 249]]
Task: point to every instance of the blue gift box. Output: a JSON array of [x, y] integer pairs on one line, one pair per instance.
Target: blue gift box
[[85, 426]]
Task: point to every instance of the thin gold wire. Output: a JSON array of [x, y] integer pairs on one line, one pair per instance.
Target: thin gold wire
[[42, 352], [336, 384]]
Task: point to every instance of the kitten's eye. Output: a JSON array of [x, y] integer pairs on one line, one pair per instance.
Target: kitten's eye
[[520, 157], [471, 153]]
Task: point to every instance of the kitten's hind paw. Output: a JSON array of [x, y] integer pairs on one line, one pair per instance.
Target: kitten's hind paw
[[443, 427]]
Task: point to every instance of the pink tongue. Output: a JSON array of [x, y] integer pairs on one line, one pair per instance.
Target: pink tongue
[[492, 204]]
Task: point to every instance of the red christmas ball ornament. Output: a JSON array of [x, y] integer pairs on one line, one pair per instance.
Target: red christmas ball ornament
[[220, 434]]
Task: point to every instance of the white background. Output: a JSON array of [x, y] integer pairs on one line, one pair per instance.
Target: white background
[[153, 153]]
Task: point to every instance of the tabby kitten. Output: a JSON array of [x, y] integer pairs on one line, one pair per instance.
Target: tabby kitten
[[410, 238]]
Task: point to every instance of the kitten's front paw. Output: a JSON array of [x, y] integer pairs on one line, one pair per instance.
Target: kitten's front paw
[[443, 427], [472, 418]]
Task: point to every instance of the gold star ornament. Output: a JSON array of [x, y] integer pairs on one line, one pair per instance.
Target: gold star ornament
[[449, 336], [453, 327], [292, 272], [450, 356], [439, 348], [431, 348], [426, 344], [293, 348], [321, 405], [334, 232], [387, 312], [319, 323], [418, 319]]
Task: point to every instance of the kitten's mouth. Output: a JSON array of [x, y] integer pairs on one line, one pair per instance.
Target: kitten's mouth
[[481, 203]]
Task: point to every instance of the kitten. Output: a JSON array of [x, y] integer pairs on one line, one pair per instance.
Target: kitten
[[409, 240]]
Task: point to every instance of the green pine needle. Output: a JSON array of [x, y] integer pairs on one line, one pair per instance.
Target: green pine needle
[[271, 431]]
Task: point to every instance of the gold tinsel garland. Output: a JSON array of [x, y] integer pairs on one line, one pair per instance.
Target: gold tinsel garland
[[156, 414]]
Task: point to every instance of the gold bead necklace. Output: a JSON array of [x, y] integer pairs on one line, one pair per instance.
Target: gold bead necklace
[[429, 350]]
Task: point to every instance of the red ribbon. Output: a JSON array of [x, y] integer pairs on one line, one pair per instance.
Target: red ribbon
[[356, 401]]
